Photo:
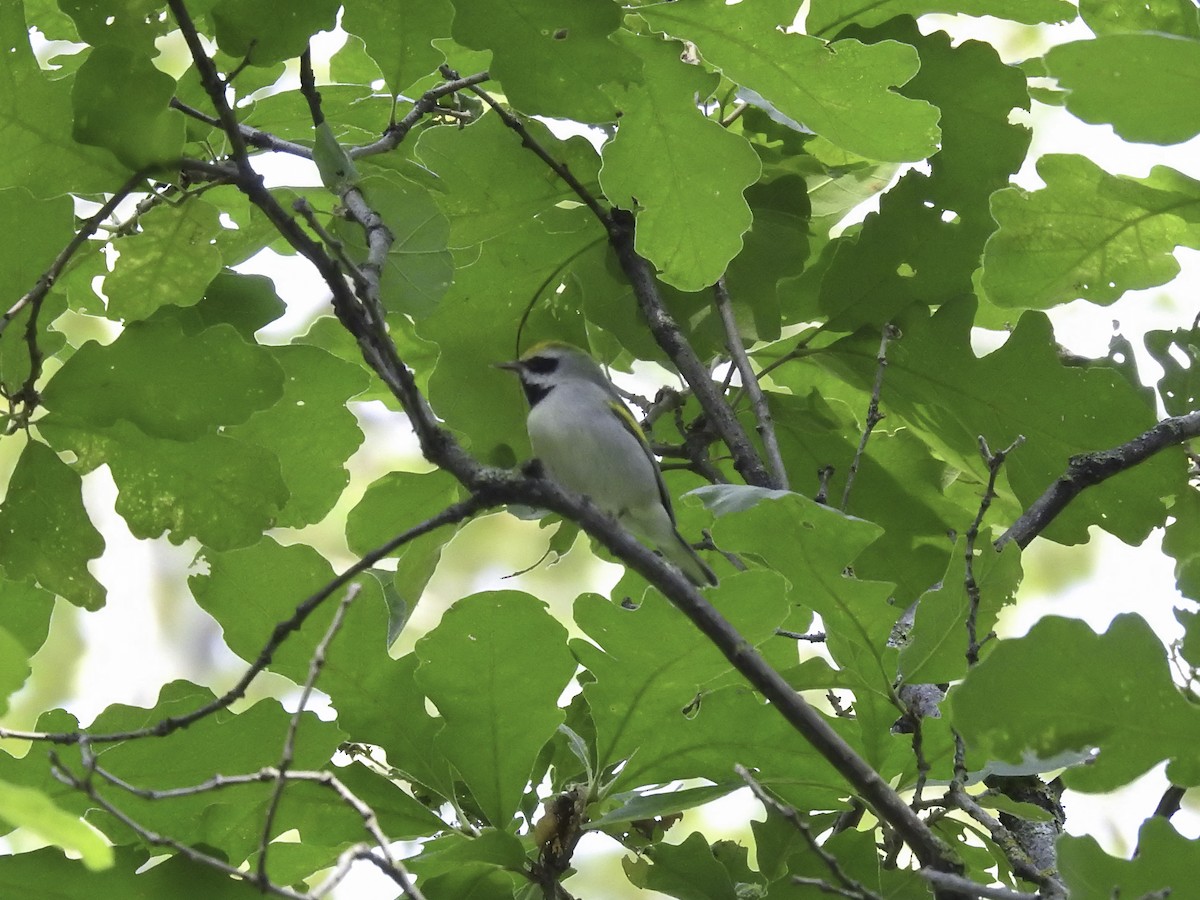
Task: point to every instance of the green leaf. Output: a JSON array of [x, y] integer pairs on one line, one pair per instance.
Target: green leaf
[[400, 815], [419, 267], [937, 651], [38, 230], [495, 667], [24, 623], [36, 118], [247, 302], [857, 616], [552, 58], [169, 262], [1165, 860], [664, 162], [1181, 541], [121, 103], [333, 162], [48, 875], [635, 806], [27, 808], [249, 590], [842, 91], [399, 36], [941, 390], [827, 17], [129, 23], [513, 272], [482, 867], [47, 534], [1087, 234], [689, 870], [310, 430], [923, 245], [230, 820], [403, 726], [491, 184], [266, 34], [1147, 86], [1063, 687], [223, 491], [643, 702], [1117, 17], [1178, 352], [167, 383], [373, 522], [411, 496]]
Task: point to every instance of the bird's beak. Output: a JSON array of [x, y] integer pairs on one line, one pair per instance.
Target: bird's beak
[[514, 366]]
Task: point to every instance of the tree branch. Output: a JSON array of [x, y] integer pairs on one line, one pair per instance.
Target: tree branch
[[851, 887], [316, 663], [491, 486], [874, 417], [25, 400], [758, 402], [970, 888], [1088, 469], [994, 462]]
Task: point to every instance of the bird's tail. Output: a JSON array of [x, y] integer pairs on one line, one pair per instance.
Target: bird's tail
[[683, 555]]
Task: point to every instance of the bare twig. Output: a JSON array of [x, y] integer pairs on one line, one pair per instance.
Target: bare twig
[[816, 637], [994, 462], [967, 887], [758, 401], [392, 138], [874, 417], [154, 839], [336, 247], [1088, 469], [849, 887], [316, 663], [25, 400], [824, 476], [1170, 802], [1016, 855]]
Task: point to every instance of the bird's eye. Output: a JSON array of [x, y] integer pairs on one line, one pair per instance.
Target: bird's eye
[[541, 365]]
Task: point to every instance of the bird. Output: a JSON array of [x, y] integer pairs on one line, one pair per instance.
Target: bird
[[588, 442]]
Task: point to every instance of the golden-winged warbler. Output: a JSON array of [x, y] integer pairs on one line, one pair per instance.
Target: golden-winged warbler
[[590, 443]]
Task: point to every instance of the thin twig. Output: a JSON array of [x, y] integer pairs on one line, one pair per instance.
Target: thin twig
[[824, 476], [1017, 858], [790, 815], [1089, 469], [874, 417], [336, 247], [288, 756], [816, 637], [994, 462], [154, 839], [24, 401], [1170, 802], [392, 138], [454, 513], [46, 281], [758, 401], [946, 881]]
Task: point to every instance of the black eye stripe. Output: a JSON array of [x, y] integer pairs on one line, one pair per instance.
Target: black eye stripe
[[541, 365]]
